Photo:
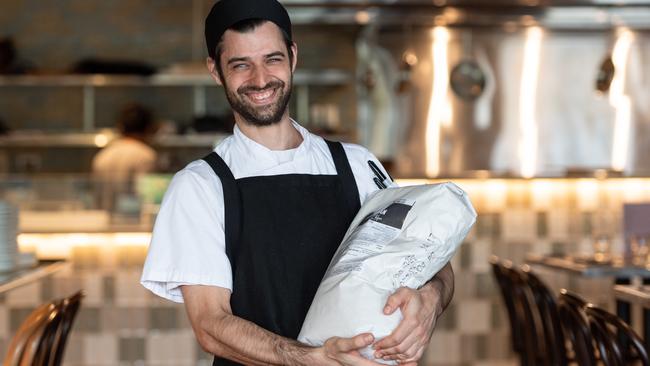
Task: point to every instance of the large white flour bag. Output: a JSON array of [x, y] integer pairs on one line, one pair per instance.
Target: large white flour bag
[[400, 237]]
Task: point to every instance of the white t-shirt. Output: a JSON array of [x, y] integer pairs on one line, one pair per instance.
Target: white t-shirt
[[123, 159], [188, 242]]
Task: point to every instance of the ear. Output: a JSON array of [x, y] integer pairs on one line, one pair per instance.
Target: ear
[[294, 48], [212, 68]]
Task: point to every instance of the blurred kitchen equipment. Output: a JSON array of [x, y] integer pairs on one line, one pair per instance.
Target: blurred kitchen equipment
[[602, 248], [408, 61], [9, 62], [113, 67], [325, 118], [9, 255], [605, 75], [636, 230], [467, 79]]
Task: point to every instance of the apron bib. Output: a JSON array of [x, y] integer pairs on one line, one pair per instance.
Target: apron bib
[[281, 233]]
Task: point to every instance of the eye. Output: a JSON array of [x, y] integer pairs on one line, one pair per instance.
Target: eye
[[275, 60], [239, 66]]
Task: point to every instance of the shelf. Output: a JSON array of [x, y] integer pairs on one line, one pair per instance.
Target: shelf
[[301, 77], [98, 140], [101, 139]]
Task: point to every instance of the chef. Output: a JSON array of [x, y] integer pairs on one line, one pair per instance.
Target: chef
[[245, 234]]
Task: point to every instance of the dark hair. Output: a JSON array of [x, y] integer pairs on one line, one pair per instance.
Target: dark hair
[[135, 119], [245, 26]]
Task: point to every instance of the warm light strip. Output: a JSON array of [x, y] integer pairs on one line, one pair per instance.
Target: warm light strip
[[60, 245], [439, 106], [527, 102], [620, 101]]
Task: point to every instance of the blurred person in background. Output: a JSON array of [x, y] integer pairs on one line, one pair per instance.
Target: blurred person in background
[[116, 167]]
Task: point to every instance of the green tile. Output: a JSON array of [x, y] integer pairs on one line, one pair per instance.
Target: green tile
[[201, 354], [109, 289], [481, 347], [132, 318], [163, 318], [486, 286], [558, 248], [465, 256], [496, 226], [47, 293], [447, 320], [88, 320], [542, 224], [587, 226], [499, 314], [132, 349]]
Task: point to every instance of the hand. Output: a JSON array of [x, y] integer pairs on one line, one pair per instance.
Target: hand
[[345, 351], [420, 309]]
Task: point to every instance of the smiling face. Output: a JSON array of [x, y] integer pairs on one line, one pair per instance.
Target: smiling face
[[256, 73]]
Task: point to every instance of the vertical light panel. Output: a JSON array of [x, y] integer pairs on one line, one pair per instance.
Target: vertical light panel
[[527, 102], [439, 108], [621, 102]]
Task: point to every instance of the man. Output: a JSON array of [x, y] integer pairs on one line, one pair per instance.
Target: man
[[117, 165], [245, 235]]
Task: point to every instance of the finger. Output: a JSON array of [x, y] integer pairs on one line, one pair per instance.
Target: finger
[[403, 330], [395, 300], [354, 343], [414, 360], [411, 343], [354, 359]]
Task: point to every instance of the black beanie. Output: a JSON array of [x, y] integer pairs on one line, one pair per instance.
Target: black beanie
[[226, 13]]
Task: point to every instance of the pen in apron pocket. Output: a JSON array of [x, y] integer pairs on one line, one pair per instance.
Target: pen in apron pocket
[[381, 178]]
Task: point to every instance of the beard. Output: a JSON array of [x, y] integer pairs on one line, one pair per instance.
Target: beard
[[260, 115]]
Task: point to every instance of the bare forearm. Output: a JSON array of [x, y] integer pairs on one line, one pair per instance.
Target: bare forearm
[[443, 284], [242, 341]]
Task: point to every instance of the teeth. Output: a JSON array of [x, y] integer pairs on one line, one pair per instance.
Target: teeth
[[261, 96]]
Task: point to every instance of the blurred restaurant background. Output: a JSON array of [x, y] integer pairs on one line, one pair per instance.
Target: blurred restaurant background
[[539, 109]]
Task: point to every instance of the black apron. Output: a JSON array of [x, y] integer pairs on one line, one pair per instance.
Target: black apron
[[281, 233]]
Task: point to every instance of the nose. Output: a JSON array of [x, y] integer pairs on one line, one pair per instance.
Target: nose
[[260, 77]]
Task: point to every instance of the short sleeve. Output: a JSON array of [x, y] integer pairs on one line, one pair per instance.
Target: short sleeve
[[359, 156], [188, 241]]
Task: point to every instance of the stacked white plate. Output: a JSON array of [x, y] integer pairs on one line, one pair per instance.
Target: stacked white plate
[[8, 233]]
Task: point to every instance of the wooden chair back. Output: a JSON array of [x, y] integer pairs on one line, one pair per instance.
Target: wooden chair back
[[618, 344], [576, 327]]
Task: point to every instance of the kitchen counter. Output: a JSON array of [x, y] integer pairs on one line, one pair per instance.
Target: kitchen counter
[[13, 279]]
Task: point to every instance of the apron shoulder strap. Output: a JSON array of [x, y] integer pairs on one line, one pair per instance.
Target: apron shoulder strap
[[232, 205], [345, 174]]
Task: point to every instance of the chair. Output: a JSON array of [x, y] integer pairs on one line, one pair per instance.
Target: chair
[[33, 325], [555, 343], [576, 327], [41, 338], [525, 323], [617, 343], [504, 286], [70, 308]]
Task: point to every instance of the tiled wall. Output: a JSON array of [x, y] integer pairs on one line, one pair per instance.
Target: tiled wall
[[121, 323]]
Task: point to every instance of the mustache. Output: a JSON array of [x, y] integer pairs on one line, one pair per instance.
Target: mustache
[[270, 85]]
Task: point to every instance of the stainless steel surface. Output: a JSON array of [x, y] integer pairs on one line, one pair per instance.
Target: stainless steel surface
[[576, 15], [633, 294], [617, 268], [465, 3], [540, 115]]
